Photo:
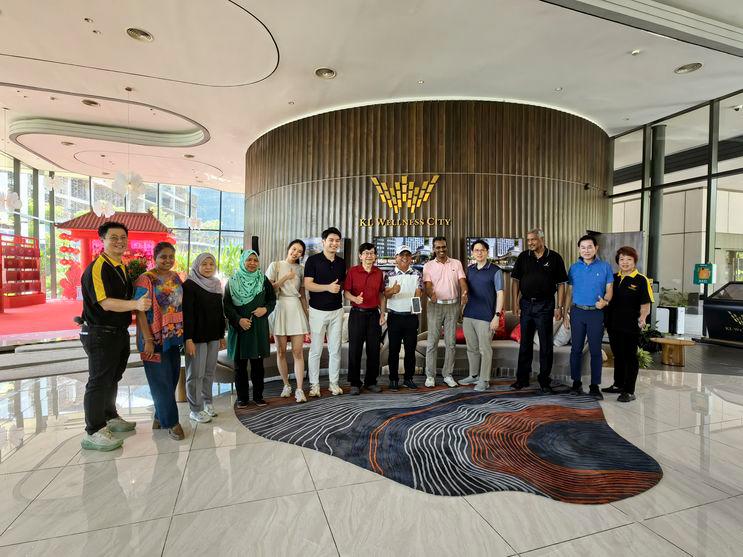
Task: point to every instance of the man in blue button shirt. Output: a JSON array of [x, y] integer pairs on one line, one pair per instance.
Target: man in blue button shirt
[[481, 315], [591, 283]]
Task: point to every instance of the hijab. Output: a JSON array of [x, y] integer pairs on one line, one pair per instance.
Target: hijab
[[244, 285], [210, 284]]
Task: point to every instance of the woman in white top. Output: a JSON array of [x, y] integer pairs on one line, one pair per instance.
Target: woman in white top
[[287, 278]]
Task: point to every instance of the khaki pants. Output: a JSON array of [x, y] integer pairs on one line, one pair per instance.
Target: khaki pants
[[438, 314], [479, 348]]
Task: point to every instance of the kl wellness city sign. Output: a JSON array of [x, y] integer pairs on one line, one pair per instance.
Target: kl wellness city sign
[[404, 194]]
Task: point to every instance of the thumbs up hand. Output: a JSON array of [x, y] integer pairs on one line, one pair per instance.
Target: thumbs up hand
[[334, 287]]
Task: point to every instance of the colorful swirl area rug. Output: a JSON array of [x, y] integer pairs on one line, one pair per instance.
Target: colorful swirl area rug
[[460, 442]]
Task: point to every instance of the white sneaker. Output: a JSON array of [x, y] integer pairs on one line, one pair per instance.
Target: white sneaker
[[209, 409], [449, 380], [482, 386], [335, 389], [201, 417], [120, 425], [430, 382], [315, 390], [471, 380], [101, 440], [299, 396], [287, 392]]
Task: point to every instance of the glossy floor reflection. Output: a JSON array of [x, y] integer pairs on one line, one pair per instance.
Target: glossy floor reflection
[[226, 491]]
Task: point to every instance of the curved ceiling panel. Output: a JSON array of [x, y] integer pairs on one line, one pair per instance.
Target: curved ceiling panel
[[42, 126], [215, 43]]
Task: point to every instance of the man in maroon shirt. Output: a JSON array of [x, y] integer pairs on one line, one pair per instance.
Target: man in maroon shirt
[[364, 286]]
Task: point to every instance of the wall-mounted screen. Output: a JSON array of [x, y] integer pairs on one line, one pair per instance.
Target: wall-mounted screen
[[503, 251]]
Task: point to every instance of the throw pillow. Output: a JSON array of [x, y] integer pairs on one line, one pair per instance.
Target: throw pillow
[[516, 333]]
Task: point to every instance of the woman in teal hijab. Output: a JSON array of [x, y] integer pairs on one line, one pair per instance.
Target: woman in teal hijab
[[248, 300]]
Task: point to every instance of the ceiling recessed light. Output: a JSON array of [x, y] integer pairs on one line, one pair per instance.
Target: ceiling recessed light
[[52, 98], [67, 143], [688, 68], [636, 52], [140, 35], [325, 73], [626, 118], [97, 32], [558, 89], [106, 173], [189, 156], [90, 102], [290, 102], [421, 82], [88, 19]]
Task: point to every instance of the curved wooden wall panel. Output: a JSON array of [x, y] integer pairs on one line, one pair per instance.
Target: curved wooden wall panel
[[503, 167]]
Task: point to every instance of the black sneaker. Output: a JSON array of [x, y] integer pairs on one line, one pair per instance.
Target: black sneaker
[[239, 404], [260, 402], [626, 397], [373, 388], [612, 389], [594, 391], [546, 390], [518, 385], [355, 391], [410, 384], [577, 388], [394, 384]]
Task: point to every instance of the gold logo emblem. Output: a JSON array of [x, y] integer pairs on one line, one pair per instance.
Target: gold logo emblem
[[404, 193], [738, 319]]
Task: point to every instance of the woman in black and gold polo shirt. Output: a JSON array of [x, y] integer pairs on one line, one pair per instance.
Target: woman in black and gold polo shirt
[[626, 315]]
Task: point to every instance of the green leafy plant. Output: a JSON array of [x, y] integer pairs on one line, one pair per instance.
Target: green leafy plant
[[672, 297], [181, 261], [644, 358], [229, 259], [136, 267], [649, 332]]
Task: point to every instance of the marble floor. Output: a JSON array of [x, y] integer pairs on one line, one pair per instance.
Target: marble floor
[[226, 491]]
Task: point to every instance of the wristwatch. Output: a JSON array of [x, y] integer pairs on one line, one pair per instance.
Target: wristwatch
[[499, 313]]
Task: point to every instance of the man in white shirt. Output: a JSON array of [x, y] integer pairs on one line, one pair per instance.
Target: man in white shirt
[[402, 284]]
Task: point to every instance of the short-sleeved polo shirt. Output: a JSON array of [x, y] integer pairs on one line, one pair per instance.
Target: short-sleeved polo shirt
[[589, 281], [444, 277], [102, 279], [324, 271], [539, 276], [630, 292], [484, 285], [368, 284]]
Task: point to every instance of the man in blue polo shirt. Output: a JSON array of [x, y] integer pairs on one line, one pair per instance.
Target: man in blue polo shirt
[[481, 314], [591, 283]]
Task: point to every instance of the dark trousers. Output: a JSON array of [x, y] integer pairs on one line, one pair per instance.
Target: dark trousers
[[108, 354], [536, 317], [402, 329], [586, 323], [163, 377], [624, 347], [256, 377], [363, 328]]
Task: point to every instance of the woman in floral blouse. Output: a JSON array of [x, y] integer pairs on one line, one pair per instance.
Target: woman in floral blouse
[[160, 336]]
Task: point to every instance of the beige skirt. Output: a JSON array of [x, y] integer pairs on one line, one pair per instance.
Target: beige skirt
[[290, 318]]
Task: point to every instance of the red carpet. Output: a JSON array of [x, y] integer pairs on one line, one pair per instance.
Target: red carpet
[[52, 316]]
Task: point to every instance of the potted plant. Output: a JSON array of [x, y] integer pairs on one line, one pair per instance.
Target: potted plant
[[671, 312]]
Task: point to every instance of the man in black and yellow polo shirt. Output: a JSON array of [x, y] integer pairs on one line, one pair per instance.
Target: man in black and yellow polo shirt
[[107, 314]]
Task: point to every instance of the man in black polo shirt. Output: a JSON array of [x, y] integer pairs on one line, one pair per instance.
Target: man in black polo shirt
[[107, 314], [324, 274], [537, 274]]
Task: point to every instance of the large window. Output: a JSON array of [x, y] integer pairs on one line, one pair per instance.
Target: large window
[[179, 207]]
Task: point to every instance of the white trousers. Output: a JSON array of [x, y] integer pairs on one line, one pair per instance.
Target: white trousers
[[322, 322]]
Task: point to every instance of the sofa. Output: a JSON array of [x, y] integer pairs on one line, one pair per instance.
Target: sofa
[[505, 357]]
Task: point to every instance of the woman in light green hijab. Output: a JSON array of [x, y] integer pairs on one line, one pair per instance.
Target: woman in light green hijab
[[248, 300]]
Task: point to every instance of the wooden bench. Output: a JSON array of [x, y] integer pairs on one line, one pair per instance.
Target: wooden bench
[[673, 350]]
